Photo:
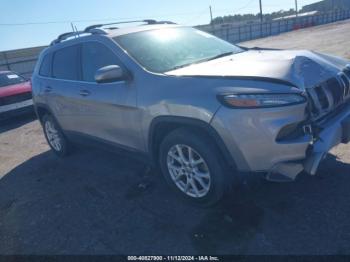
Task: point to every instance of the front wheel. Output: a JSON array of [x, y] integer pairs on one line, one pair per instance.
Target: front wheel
[[54, 136], [193, 167]]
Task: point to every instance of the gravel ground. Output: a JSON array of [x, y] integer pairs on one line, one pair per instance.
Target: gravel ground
[[332, 38], [96, 202]]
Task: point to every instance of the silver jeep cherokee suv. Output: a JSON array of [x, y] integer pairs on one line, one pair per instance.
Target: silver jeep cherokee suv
[[200, 108]]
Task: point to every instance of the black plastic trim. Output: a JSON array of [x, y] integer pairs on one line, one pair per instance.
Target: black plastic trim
[[88, 140], [190, 122], [42, 106]]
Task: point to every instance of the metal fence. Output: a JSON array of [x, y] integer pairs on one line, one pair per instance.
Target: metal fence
[[246, 32], [21, 60]]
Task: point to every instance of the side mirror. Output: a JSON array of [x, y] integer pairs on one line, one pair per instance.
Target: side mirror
[[108, 74]]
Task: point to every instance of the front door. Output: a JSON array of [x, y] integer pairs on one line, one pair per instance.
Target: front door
[[107, 111]]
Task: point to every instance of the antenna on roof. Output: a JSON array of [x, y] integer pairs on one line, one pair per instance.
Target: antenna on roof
[[71, 24], [76, 30]]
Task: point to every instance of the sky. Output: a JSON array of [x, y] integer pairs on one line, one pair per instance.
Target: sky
[[28, 23]]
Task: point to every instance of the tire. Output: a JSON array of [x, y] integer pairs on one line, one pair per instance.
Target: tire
[[207, 165], [54, 136]]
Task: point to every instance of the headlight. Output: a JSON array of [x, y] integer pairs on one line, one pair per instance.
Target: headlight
[[260, 100]]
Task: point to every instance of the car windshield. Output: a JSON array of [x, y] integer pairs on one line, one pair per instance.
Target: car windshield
[[10, 78], [166, 49]]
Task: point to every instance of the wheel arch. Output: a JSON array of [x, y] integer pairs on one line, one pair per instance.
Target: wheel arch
[[41, 110], [163, 125]]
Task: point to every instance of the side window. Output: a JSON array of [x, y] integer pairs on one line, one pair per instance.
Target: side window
[[45, 68], [65, 63], [95, 55]]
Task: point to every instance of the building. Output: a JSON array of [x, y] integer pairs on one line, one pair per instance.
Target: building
[[327, 5]]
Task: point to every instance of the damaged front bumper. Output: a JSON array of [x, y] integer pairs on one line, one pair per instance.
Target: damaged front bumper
[[333, 132], [252, 138]]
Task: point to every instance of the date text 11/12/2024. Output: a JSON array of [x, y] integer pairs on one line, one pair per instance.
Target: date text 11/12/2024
[[173, 258]]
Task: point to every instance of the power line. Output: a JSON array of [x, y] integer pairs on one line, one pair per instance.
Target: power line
[[200, 14], [95, 20], [116, 19], [238, 9], [244, 7], [53, 22]]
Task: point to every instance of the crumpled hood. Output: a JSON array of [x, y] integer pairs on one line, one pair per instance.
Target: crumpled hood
[[303, 69]]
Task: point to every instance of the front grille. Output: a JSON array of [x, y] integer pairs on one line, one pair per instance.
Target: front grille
[[336, 89], [347, 71], [322, 97], [330, 94], [345, 80], [15, 98]]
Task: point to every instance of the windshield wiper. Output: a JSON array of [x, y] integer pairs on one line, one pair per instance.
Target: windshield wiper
[[181, 66], [219, 55], [204, 60]]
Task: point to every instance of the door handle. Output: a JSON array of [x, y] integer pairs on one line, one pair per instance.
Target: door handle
[[48, 89], [84, 92]]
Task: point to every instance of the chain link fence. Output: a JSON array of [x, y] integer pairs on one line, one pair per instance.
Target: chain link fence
[[246, 32], [23, 60]]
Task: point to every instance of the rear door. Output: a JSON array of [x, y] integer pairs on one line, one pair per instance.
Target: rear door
[[63, 87]]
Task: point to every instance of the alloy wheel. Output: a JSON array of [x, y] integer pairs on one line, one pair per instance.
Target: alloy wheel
[[188, 170], [53, 136]]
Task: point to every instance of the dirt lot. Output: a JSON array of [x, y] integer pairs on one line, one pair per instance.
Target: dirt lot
[[332, 39], [96, 202]]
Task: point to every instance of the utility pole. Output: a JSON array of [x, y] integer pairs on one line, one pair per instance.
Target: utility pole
[[296, 8], [261, 14], [261, 17], [211, 15]]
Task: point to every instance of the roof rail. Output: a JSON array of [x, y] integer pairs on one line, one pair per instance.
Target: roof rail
[[147, 21], [95, 29], [67, 35], [164, 22]]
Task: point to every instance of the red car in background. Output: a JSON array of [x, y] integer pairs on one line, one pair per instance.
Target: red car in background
[[15, 94]]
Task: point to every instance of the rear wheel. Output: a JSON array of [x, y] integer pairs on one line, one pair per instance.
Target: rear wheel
[[54, 136], [192, 165]]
